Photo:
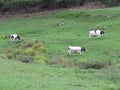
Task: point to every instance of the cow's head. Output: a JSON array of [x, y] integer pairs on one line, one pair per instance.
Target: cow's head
[[102, 32], [11, 37], [83, 49], [18, 37]]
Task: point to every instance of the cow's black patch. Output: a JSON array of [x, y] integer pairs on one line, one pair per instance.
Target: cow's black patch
[[95, 31], [102, 32], [83, 49], [12, 37], [68, 48], [18, 37]]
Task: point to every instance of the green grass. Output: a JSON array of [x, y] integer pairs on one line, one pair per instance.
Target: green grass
[[16, 75]]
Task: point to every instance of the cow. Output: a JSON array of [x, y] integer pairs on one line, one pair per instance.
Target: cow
[[60, 24], [97, 33], [75, 49], [14, 37]]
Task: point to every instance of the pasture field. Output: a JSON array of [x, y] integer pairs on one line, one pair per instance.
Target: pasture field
[[96, 69]]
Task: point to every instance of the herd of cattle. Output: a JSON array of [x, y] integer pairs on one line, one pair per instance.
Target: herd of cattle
[[71, 49]]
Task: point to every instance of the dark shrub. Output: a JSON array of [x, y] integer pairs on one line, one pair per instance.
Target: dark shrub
[[24, 58], [94, 64], [111, 2], [57, 62]]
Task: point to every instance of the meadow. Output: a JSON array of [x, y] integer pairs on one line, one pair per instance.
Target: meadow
[[96, 69]]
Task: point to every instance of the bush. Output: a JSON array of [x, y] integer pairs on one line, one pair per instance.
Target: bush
[[40, 59], [69, 3], [20, 3], [57, 62], [22, 6], [27, 51], [10, 56], [111, 2], [24, 58], [95, 64]]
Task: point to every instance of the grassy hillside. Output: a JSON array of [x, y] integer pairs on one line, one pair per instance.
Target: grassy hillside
[[17, 76], [55, 39]]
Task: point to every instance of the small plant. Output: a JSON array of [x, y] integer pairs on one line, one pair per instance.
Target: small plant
[[94, 64], [40, 59], [9, 56], [29, 51], [58, 61], [53, 61], [37, 46], [63, 63]]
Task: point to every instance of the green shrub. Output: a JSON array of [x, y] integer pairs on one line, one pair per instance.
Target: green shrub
[[20, 3], [24, 58], [37, 46], [10, 56], [40, 59], [57, 61], [111, 2], [1, 4], [27, 51], [94, 64], [53, 61]]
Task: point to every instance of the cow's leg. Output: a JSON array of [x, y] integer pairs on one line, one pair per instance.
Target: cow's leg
[[90, 35], [13, 39], [99, 36], [80, 52], [69, 52]]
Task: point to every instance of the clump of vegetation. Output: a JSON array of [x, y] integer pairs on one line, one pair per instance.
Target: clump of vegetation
[[18, 3], [80, 64], [94, 64], [26, 51], [38, 5], [58, 61], [3, 37], [89, 64]]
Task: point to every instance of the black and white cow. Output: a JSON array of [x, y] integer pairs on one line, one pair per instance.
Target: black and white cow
[[14, 37], [75, 49], [97, 33]]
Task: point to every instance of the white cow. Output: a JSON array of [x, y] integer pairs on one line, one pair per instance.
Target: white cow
[[14, 37], [75, 49], [97, 33]]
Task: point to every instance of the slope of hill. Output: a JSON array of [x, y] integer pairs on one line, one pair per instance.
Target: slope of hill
[[96, 69]]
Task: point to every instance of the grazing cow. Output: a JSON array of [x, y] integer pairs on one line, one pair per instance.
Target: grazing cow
[[60, 24], [14, 37], [97, 33], [75, 49]]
